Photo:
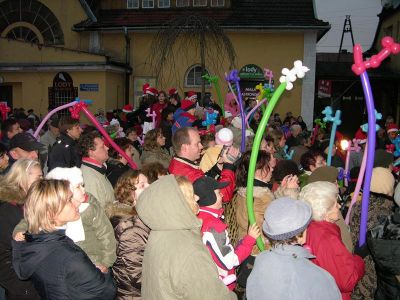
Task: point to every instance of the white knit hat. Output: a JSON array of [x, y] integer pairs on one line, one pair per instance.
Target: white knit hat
[[224, 137], [73, 175]]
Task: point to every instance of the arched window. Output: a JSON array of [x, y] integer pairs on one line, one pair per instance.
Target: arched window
[[31, 21], [193, 76]]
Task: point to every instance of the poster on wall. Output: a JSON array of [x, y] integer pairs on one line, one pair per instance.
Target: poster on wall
[[250, 76], [137, 89]]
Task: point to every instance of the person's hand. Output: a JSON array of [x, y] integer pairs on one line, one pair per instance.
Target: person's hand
[[254, 231], [103, 269], [290, 182], [19, 237], [231, 155]]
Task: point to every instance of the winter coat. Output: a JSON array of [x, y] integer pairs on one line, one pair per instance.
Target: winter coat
[[60, 269], [64, 153], [99, 243], [325, 243], [115, 169], [184, 167], [182, 119], [10, 215], [216, 238], [159, 155], [132, 236], [285, 272], [96, 182], [176, 264], [384, 244], [48, 139], [166, 128], [379, 208]]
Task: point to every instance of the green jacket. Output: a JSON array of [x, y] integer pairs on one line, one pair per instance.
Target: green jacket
[[99, 243], [176, 264]]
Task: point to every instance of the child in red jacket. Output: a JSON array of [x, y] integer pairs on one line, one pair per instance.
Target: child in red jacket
[[215, 235]]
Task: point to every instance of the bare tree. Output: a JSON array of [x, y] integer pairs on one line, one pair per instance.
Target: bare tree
[[177, 40]]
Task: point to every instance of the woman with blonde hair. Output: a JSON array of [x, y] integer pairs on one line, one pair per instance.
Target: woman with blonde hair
[[324, 239], [13, 189], [58, 268], [153, 150], [131, 235]]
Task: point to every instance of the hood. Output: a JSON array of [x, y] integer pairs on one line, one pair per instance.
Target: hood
[[258, 192], [27, 256], [162, 207]]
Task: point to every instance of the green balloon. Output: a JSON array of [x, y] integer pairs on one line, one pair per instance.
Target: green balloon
[[254, 155]]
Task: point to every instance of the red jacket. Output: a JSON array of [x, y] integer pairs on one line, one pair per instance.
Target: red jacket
[[184, 167], [324, 242], [215, 237]]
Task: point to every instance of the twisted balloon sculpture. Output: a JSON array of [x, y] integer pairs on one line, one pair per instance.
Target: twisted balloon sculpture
[[4, 109], [335, 121], [289, 76], [360, 68]]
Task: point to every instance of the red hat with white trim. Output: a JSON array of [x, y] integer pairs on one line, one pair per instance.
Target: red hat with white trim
[[172, 92], [391, 127], [127, 108], [190, 95], [145, 87], [151, 91], [187, 104], [360, 136]]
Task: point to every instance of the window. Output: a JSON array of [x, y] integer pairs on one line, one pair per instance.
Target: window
[[132, 3], [199, 2], [218, 3], [182, 3], [164, 3], [193, 76], [148, 3]]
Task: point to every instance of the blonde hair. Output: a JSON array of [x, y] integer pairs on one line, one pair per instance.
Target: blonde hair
[[321, 195], [187, 190], [46, 198], [15, 182]]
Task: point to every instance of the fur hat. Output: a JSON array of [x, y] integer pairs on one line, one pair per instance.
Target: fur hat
[[224, 137], [73, 175], [382, 181], [204, 187], [285, 218], [187, 104], [325, 173]]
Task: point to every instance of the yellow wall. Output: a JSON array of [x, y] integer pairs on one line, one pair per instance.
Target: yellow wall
[[115, 90]]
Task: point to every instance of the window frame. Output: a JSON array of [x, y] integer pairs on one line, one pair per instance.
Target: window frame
[[133, 7], [169, 4], [187, 1], [146, 7], [212, 4], [188, 71], [196, 5]]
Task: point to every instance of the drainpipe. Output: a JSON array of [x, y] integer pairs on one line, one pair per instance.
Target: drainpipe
[[127, 62]]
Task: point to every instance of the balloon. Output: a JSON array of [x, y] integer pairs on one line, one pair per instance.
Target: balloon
[[358, 184], [215, 81], [49, 114], [153, 116], [351, 148], [233, 77], [254, 156], [4, 109], [254, 109], [335, 122]]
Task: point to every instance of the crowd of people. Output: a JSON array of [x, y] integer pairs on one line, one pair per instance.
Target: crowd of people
[[77, 222]]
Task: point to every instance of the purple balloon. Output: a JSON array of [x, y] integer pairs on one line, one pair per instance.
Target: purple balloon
[[369, 99]]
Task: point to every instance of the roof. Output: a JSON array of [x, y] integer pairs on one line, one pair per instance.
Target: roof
[[243, 14]]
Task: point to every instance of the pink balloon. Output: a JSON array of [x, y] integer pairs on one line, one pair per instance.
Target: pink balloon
[[358, 185], [357, 53], [387, 41], [49, 114]]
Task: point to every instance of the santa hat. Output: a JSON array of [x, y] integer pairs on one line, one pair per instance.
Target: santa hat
[[151, 91], [391, 127], [360, 136], [190, 95], [127, 108], [187, 104], [145, 87], [224, 137], [172, 92]]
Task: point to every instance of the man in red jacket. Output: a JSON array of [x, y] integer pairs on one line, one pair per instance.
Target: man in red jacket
[[187, 146]]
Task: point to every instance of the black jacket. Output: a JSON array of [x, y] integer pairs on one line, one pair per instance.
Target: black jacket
[[59, 269], [384, 245], [64, 153], [10, 215], [114, 170]]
